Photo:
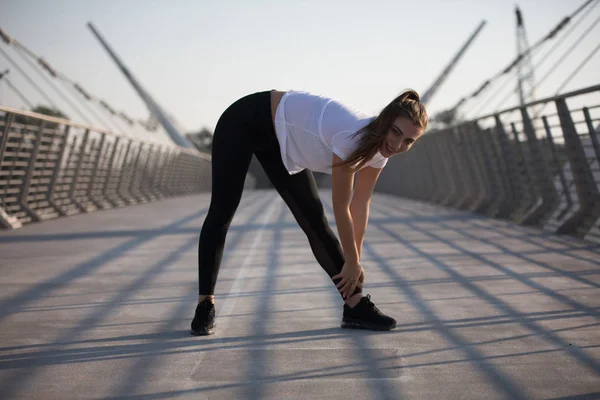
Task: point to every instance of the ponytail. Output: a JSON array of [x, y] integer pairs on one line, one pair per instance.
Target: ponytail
[[406, 104], [408, 94]]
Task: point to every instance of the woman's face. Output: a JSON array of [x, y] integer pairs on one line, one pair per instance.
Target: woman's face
[[400, 137]]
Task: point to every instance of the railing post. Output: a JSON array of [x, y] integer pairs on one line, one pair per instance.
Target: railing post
[[6, 220], [442, 187], [155, 172], [411, 186], [90, 190], [469, 189], [423, 165], [109, 174], [460, 170], [135, 187], [166, 179], [78, 171], [123, 185], [451, 184], [29, 174], [147, 173], [587, 191], [542, 178], [482, 181], [3, 145], [183, 177], [434, 181], [442, 142], [56, 173], [526, 192], [592, 132], [436, 170], [174, 184], [70, 149], [4, 139], [160, 179], [158, 170], [198, 177], [558, 170], [501, 206], [492, 164], [512, 179]]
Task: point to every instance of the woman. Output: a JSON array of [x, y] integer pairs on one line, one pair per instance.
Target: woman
[[292, 134]]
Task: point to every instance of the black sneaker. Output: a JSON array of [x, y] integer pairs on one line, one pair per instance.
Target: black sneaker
[[204, 319], [365, 315]]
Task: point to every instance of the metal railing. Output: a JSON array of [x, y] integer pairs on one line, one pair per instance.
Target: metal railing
[[537, 165], [51, 167]]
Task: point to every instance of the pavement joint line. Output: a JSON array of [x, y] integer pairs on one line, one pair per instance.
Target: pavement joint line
[[246, 348], [254, 381], [230, 300]]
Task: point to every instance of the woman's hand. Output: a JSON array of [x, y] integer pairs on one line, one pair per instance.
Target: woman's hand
[[351, 276]]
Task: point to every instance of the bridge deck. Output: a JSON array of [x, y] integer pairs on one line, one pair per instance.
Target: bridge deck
[[98, 306]]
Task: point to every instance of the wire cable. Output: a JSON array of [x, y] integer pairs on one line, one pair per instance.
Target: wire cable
[[564, 22], [18, 92], [68, 85], [485, 101], [51, 84], [569, 51], [88, 107], [543, 59], [566, 35], [579, 67], [28, 78], [65, 82]]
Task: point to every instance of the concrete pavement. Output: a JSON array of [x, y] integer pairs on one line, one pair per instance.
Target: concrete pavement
[[98, 306]]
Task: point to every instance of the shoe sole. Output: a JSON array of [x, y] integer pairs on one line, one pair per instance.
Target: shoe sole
[[203, 332], [366, 325]]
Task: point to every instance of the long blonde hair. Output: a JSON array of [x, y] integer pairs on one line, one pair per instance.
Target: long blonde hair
[[407, 104]]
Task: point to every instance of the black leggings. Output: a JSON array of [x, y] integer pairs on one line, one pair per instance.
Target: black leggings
[[244, 129]]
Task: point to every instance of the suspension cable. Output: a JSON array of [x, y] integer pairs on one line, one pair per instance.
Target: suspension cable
[[21, 95], [581, 65], [11, 86], [564, 22], [564, 56], [503, 85], [51, 83], [566, 35], [44, 64], [29, 79], [89, 108]]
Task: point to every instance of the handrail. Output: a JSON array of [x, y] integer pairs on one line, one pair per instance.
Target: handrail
[[577, 92], [518, 167], [98, 129], [58, 120], [71, 168]]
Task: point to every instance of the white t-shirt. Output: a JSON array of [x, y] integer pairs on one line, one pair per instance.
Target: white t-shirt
[[310, 128]]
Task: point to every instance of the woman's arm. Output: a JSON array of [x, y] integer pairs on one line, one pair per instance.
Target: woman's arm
[[342, 180], [361, 200]]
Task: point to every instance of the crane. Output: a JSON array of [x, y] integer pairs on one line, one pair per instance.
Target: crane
[[429, 93], [155, 110]]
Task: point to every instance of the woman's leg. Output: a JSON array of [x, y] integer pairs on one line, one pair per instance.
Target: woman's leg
[[300, 193], [232, 151]]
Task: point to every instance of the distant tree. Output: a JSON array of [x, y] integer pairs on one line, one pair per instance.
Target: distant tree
[[445, 118], [201, 139], [41, 109]]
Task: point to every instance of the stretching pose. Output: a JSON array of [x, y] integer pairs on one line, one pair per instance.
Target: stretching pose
[[292, 134]]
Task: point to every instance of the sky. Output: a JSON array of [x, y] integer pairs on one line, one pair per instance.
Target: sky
[[195, 57]]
